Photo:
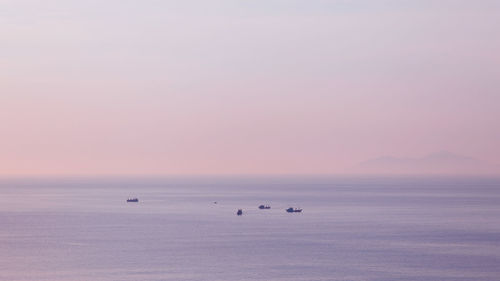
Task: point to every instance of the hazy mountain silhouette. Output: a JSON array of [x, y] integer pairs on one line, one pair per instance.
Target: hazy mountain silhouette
[[442, 162]]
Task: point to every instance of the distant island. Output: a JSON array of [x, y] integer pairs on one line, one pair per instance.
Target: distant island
[[442, 162]]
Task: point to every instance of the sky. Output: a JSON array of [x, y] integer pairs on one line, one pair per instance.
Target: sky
[[244, 87]]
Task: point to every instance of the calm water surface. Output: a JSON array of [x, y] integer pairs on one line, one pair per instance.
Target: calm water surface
[[377, 229]]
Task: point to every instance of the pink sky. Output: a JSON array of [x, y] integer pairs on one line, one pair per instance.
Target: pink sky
[[237, 87]]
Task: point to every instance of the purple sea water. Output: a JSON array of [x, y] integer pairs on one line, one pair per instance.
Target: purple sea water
[[365, 228]]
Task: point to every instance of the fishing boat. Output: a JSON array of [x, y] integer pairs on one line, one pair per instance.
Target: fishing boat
[[240, 212], [294, 210], [133, 200], [264, 207]]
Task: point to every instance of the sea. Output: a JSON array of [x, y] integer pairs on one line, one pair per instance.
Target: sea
[[352, 228]]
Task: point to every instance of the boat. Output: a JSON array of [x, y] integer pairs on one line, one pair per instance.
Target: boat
[[240, 212], [294, 210], [263, 207], [132, 200]]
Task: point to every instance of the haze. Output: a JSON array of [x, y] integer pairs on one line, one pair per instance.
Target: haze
[[244, 87]]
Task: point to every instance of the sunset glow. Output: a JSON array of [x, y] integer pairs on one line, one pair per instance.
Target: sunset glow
[[244, 87]]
